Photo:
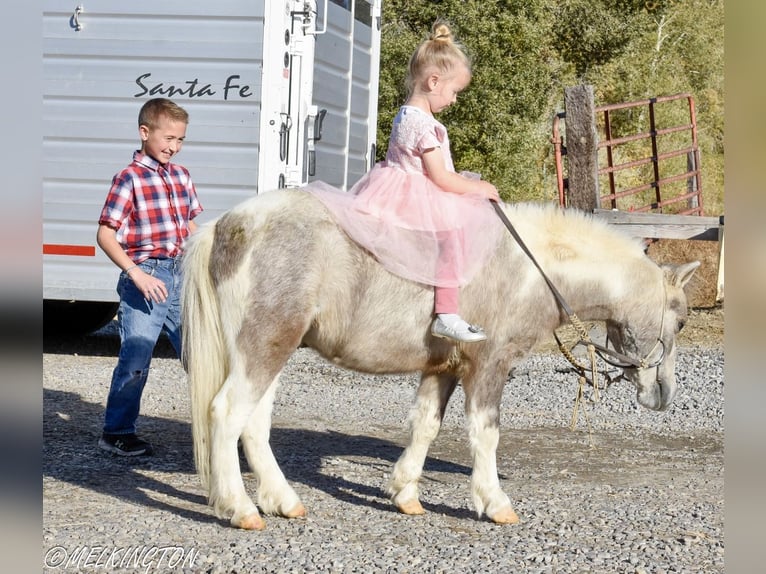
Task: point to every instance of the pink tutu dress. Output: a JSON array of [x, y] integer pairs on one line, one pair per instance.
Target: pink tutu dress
[[414, 228]]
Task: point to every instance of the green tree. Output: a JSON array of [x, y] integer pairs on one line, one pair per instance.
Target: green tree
[[590, 33], [677, 47]]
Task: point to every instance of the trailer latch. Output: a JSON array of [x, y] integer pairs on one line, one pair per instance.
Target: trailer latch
[[317, 118]]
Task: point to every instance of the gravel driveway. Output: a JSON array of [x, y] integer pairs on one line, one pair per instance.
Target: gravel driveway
[[628, 491]]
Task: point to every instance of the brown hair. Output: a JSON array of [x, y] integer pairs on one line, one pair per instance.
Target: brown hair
[[440, 53], [156, 108]]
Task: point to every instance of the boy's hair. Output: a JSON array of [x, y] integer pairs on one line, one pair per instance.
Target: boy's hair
[[156, 108], [440, 53]]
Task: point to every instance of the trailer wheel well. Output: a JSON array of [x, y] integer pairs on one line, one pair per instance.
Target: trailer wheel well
[[76, 317]]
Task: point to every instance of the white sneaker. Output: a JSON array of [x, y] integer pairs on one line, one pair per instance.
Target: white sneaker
[[462, 332]]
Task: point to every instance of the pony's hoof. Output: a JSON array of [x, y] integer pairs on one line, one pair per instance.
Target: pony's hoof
[[249, 522], [505, 516], [299, 511], [411, 507]]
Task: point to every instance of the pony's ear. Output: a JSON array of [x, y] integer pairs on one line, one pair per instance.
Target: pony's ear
[[679, 275]]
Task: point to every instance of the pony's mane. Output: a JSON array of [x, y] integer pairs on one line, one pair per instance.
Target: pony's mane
[[569, 232]]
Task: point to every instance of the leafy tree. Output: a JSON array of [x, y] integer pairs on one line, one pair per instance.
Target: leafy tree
[[590, 33], [677, 48]]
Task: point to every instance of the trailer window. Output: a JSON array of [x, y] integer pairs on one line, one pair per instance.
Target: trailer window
[[362, 9]]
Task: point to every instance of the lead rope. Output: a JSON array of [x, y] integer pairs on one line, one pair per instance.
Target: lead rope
[[582, 379]]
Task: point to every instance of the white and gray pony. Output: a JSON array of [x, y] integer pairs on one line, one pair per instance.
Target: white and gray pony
[[276, 273]]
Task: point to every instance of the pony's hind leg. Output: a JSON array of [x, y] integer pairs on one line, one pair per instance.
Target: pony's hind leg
[[230, 411], [425, 421], [275, 495]]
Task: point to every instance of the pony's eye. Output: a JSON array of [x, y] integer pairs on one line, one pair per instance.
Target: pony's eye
[[681, 324]]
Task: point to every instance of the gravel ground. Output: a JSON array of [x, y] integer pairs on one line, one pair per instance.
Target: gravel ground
[[628, 491]]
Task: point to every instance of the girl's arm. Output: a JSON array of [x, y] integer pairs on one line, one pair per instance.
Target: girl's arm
[[433, 160]]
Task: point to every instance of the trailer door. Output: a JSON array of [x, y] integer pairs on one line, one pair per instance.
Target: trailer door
[[288, 71], [346, 73]]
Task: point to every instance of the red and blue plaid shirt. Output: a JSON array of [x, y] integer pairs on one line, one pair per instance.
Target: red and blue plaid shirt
[[150, 206]]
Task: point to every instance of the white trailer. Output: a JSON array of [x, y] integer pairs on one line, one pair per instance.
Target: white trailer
[[279, 93]]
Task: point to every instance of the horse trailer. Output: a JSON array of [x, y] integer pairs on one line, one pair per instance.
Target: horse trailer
[[279, 93]]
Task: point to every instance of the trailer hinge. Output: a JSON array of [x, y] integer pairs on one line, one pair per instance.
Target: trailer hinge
[[309, 24]]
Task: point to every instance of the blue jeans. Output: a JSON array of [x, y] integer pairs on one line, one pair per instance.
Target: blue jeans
[[140, 323]]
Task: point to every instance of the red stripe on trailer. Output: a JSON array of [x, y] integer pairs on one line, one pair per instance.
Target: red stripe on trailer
[[54, 249]]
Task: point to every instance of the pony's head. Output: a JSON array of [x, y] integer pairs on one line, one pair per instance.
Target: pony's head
[[650, 338]]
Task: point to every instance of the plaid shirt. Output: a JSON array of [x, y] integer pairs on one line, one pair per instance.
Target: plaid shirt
[[150, 205]]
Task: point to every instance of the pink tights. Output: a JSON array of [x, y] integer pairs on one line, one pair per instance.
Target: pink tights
[[446, 300]]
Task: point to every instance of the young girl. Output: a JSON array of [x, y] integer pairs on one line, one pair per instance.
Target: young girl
[[413, 212]]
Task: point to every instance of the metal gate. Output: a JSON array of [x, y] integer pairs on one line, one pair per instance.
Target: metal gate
[[647, 160]]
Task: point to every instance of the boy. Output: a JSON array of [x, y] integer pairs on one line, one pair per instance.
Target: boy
[[143, 228]]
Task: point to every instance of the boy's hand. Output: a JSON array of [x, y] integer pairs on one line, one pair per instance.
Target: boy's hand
[[152, 288]]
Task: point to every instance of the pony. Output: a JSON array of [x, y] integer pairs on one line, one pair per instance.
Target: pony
[[276, 272]]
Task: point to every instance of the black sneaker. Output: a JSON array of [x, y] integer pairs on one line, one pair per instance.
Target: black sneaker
[[125, 445]]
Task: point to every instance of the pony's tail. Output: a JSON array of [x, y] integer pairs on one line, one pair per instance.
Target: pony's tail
[[204, 356]]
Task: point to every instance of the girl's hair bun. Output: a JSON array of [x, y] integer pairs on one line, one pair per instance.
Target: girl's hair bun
[[440, 32]]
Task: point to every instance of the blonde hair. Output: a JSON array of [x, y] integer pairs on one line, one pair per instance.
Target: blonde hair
[[156, 108], [440, 54]]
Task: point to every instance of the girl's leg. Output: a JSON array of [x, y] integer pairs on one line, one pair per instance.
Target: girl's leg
[[448, 323], [446, 300]]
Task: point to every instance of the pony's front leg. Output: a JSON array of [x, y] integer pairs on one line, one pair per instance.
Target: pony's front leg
[[488, 497], [425, 421], [229, 413], [275, 495]]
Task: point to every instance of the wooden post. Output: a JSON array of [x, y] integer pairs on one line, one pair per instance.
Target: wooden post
[[582, 148], [719, 290]]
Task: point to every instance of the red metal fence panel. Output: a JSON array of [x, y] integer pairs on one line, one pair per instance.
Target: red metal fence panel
[[649, 157]]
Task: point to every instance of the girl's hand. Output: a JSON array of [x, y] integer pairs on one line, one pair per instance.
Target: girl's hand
[[487, 190], [464, 182]]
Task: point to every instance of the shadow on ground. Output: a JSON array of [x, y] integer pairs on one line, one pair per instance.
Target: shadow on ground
[[71, 428]]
